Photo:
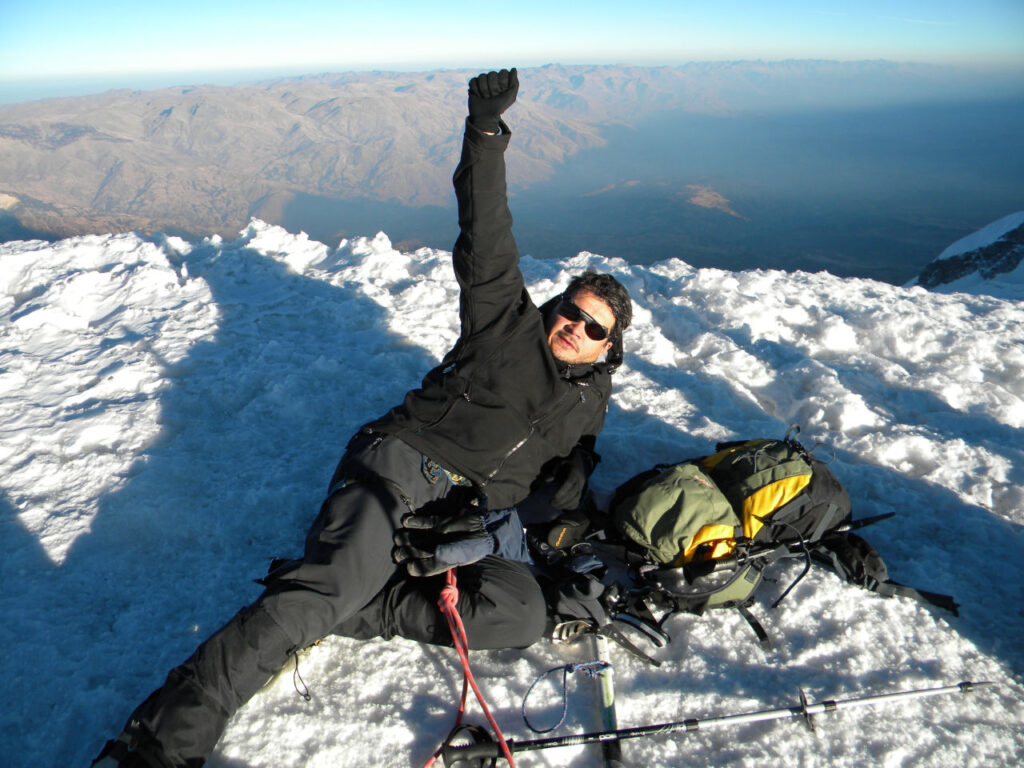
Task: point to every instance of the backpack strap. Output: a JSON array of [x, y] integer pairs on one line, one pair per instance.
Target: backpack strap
[[832, 516], [859, 563], [891, 588], [762, 636]]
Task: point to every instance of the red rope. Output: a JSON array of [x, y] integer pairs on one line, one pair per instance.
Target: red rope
[[448, 604]]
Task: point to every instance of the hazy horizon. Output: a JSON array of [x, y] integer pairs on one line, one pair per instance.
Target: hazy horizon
[[50, 45], [985, 82]]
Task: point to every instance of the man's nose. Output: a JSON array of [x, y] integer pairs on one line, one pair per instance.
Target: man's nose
[[576, 326]]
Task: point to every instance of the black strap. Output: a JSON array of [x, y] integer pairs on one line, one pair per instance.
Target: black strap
[[624, 642], [762, 636], [891, 588], [863, 522], [855, 560], [117, 750], [650, 628]]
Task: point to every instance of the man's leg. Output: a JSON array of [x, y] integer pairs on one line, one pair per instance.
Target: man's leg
[[183, 719], [347, 561], [500, 603]]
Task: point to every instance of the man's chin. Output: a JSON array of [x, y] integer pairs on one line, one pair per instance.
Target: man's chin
[[567, 355], [562, 350]]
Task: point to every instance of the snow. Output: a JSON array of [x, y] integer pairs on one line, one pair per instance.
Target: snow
[[1004, 285], [170, 413]]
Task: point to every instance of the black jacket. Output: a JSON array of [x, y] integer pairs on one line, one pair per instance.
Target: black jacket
[[499, 406]]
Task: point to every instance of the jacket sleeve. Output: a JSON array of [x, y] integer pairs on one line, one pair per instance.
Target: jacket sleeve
[[485, 256]]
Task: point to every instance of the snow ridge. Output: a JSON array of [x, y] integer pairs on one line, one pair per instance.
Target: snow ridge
[[990, 260]]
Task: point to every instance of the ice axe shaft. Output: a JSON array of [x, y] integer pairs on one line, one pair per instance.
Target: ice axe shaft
[[611, 749]]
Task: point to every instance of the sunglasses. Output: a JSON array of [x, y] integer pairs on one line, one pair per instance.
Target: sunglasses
[[574, 314]]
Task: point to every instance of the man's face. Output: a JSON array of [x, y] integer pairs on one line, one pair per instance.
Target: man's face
[[568, 337]]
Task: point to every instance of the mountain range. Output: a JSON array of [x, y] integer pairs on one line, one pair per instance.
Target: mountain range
[[200, 159]]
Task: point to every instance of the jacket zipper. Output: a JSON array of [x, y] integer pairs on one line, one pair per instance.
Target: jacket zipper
[[524, 440]]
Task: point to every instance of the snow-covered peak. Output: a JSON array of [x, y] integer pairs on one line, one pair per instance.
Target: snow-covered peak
[[171, 412], [984, 236], [986, 261]]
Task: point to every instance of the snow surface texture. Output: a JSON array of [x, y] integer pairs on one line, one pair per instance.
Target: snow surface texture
[[171, 412]]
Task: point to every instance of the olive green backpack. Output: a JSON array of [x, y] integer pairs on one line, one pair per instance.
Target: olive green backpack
[[703, 531]]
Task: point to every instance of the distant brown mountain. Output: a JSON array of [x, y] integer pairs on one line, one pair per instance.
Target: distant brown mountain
[[204, 159]]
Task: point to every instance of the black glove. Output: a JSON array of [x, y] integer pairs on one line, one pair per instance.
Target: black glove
[[569, 529], [571, 477], [431, 544], [491, 94]]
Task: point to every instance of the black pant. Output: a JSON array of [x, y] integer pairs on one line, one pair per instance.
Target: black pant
[[345, 584]]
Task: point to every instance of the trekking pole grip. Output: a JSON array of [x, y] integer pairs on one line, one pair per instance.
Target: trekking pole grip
[[471, 755]]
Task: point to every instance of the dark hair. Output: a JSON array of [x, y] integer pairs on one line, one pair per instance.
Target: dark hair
[[614, 294]]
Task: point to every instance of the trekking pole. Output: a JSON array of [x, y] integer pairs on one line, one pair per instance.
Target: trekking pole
[[472, 755], [612, 749]]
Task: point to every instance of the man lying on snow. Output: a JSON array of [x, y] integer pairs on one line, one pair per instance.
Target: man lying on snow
[[522, 388]]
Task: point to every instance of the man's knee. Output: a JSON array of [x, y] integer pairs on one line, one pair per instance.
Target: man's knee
[[507, 606], [500, 604]]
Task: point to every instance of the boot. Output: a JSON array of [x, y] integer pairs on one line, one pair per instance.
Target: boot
[[132, 749]]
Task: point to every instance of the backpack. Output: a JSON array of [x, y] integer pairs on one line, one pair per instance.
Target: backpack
[[753, 490], [701, 534]]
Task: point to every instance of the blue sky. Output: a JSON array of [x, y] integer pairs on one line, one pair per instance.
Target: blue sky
[[124, 42]]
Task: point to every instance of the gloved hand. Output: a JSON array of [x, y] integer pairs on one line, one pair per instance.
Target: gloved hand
[[569, 529], [431, 544], [490, 94], [571, 476]]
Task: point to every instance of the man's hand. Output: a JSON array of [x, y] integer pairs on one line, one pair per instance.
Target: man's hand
[[572, 476], [490, 94], [429, 544]]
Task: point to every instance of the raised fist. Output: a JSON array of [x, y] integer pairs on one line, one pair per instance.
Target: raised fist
[[490, 94]]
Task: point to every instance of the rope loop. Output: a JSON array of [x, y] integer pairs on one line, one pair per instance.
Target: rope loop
[[592, 669], [449, 599], [297, 681]]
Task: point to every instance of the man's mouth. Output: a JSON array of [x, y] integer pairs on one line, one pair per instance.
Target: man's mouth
[[567, 341]]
